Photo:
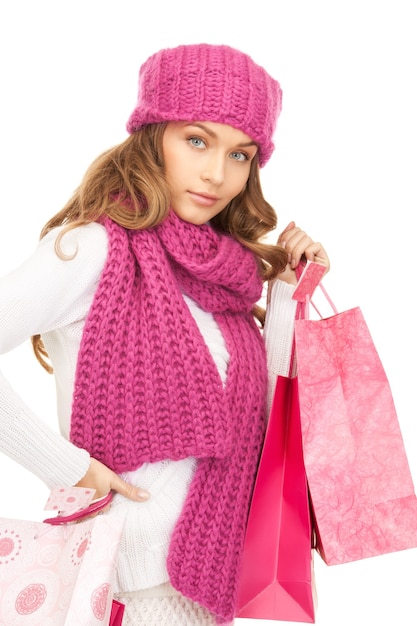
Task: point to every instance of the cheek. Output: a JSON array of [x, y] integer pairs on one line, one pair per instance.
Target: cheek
[[176, 164], [169, 167], [238, 181], [170, 155]]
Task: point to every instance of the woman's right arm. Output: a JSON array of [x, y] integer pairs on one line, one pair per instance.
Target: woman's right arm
[[29, 441], [42, 294]]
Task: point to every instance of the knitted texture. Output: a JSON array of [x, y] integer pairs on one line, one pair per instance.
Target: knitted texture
[[209, 83], [162, 605], [147, 388]]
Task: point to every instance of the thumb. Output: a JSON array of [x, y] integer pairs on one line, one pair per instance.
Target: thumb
[[129, 491]]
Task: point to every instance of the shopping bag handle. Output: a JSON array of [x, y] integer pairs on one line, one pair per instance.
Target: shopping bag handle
[[309, 301], [309, 276], [95, 507]]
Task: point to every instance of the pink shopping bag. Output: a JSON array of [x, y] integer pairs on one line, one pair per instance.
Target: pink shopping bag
[[358, 475], [276, 580], [116, 614], [58, 575]]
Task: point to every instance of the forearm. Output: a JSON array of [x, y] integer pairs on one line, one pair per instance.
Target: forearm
[[279, 331], [29, 441], [279, 326]]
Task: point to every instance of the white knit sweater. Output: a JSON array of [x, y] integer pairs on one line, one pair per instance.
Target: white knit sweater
[[51, 296]]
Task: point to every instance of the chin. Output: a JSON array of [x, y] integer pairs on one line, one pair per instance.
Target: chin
[[198, 218]]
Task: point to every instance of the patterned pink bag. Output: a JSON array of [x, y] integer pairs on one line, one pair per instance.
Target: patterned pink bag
[[361, 488], [58, 575]]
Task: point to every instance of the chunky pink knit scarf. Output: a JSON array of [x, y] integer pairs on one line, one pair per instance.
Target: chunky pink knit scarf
[[147, 387]]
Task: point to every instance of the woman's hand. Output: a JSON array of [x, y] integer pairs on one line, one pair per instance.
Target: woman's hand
[[103, 479], [299, 245]]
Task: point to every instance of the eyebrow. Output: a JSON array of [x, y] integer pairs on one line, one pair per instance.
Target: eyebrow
[[212, 134]]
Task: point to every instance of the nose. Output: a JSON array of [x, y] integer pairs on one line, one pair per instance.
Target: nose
[[214, 169]]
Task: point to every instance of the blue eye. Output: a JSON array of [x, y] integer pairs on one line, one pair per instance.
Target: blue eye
[[196, 142], [239, 156]]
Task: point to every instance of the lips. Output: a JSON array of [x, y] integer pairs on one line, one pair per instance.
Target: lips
[[203, 199]]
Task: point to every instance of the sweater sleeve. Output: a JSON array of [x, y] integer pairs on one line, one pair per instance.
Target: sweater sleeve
[[28, 440], [42, 294], [279, 331]]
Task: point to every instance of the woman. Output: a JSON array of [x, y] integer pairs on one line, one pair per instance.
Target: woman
[[144, 293]]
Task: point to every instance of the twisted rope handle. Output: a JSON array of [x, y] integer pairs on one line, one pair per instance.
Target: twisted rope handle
[[95, 507]]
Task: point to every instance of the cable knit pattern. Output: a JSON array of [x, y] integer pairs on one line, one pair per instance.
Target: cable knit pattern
[[147, 387]]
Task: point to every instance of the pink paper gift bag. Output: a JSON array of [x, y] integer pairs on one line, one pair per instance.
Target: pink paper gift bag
[[276, 580], [116, 614], [358, 474], [58, 575]]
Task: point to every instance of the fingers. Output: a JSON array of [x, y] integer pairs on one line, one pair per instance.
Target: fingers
[[129, 491], [298, 244], [103, 479], [316, 252], [289, 226]]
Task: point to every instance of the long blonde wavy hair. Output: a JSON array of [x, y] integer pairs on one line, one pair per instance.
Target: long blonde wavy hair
[[127, 184]]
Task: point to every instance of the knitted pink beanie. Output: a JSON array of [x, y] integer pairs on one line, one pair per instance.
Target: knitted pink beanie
[[213, 83]]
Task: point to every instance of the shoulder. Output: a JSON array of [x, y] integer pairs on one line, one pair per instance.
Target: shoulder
[[78, 259], [91, 237]]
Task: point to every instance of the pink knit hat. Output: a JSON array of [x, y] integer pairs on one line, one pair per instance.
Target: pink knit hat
[[209, 83]]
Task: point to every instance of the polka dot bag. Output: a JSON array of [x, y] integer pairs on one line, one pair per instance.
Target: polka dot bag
[[60, 572]]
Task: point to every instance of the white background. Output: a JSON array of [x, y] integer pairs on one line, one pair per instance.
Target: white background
[[344, 170]]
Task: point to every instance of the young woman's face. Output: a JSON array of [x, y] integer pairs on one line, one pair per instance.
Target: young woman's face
[[206, 166]]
